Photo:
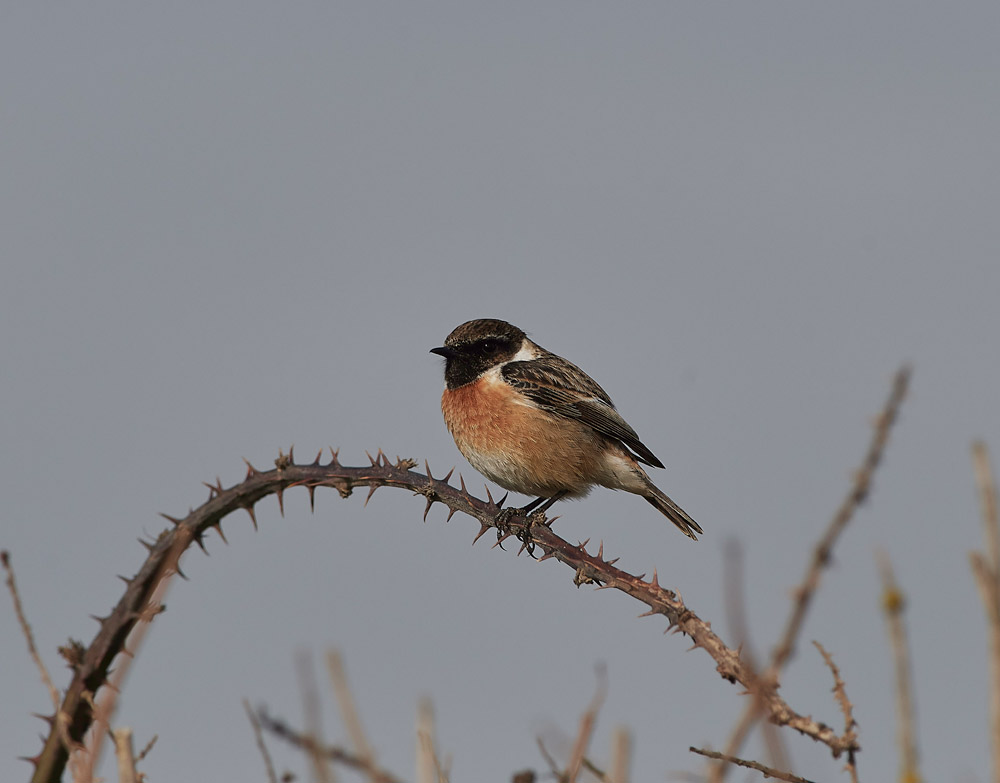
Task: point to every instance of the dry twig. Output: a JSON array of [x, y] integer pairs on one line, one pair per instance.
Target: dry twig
[[765, 686], [621, 756], [26, 628], [322, 773], [310, 745], [348, 708], [587, 722], [840, 693], [768, 772], [259, 738], [893, 605], [124, 753], [986, 570]]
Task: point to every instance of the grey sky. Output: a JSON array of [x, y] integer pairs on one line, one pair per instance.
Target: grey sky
[[233, 227]]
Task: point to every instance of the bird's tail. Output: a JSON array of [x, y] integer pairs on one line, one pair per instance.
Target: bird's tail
[[672, 511]]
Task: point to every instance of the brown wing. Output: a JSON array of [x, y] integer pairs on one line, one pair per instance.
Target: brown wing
[[566, 390]]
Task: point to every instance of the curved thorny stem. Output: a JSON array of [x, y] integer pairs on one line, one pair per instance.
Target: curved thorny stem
[[140, 602], [91, 665]]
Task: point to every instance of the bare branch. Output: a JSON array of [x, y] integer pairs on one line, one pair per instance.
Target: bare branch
[[986, 570], [840, 693], [348, 709], [856, 495], [621, 756], [126, 757], [767, 683], [331, 752], [893, 605], [259, 738], [427, 766], [768, 772], [26, 629], [586, 730], [311, 712]]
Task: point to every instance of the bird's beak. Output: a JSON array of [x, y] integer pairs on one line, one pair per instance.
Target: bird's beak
[[444, 351]]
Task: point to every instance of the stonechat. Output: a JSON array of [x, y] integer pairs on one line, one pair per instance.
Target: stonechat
[[537, 424]]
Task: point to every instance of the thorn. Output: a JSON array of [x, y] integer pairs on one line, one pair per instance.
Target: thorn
[[547, 555], [125, 579], [427, 508], [33, 760], [371, 491], [489, 495], [251, 470], [218, 526], [291, 454], [641, 576], [448, 475], [181, 574], [316, 461], [170, 519], [280, 492], [583, 546], [150, 546], [655, 581], [212, 490], [312, 497], [600, 551], [381, 459], [483, 527], [462, 479], [650, 613], [428, 469], [451, 513], [334, 457], [98, 620], [50, 719], [612, 562], [502, 500], [200, 543], [253, 515]]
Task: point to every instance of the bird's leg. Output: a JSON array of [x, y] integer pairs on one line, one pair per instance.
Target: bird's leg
[[535, 507], [534, 512], [546, 505]]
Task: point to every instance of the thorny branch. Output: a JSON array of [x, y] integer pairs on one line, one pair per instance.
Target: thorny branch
[[91, 665]]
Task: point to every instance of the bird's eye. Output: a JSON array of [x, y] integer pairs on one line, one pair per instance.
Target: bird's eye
[[489, 346]]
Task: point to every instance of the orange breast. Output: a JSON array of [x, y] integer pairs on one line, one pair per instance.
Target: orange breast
[[519, 446]]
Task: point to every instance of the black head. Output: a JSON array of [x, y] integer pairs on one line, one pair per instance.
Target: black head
[[475, 347]]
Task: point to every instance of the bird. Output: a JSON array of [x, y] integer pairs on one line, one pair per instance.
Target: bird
[[538, 425]]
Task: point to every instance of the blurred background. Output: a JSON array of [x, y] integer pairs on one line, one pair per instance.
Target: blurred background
[[232, 227]]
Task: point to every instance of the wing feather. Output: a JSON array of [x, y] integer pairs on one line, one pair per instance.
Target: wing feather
[[566, 390]]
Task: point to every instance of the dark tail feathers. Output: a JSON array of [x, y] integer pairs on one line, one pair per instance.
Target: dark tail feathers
[[673, 512]]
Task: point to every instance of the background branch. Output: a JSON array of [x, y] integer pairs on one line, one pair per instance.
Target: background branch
[[893, 605], [986, 570]]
